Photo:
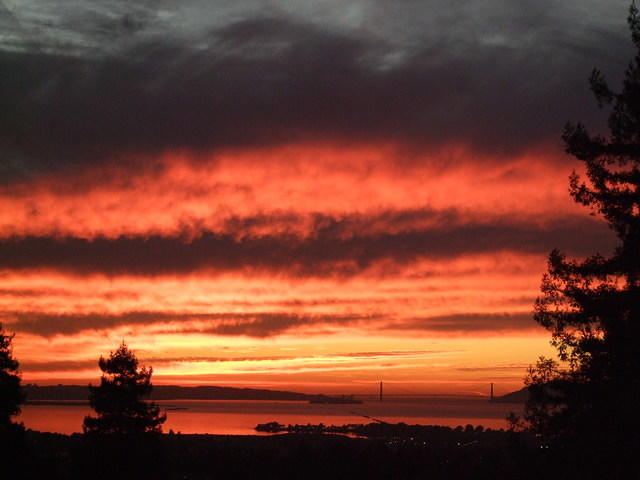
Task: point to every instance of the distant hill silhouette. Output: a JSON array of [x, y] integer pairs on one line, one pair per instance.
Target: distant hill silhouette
[[519, 396], [163, 392]]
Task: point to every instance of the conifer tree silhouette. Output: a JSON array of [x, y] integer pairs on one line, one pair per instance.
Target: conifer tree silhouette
[[118, 399], [11, 395], [13, 449], [592, 306]]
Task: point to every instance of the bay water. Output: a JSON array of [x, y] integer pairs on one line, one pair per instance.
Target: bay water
[[239, 417]]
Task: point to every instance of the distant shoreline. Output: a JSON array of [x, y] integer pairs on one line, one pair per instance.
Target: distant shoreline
[[80, 393]]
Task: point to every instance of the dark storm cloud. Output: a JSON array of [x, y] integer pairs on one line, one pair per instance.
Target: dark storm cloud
[[274, 78], [341, 247]]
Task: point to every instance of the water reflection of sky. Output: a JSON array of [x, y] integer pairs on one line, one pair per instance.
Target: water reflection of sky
[[240, 417]]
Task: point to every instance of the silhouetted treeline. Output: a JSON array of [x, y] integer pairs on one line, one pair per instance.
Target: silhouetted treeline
[[398, 431], [165, 392]]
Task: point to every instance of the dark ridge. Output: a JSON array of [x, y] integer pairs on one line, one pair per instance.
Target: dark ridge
[[38, 394], [519, 396]]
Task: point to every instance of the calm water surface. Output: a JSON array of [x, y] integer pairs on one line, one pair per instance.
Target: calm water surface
[[239, 417]]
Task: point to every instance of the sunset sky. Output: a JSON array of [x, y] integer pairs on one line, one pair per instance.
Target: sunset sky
[[313, 195]]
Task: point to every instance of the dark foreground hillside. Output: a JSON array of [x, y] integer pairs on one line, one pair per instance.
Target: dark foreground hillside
[[447, 454]]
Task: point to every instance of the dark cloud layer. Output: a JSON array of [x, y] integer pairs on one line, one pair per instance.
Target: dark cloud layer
[[262, 324], [333, 248], [275, 79], [469, 323], [62, 365], [258, 325]]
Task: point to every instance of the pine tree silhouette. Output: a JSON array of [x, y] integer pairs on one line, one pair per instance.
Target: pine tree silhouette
[[592, 307], [11, 395], [118, 399]]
